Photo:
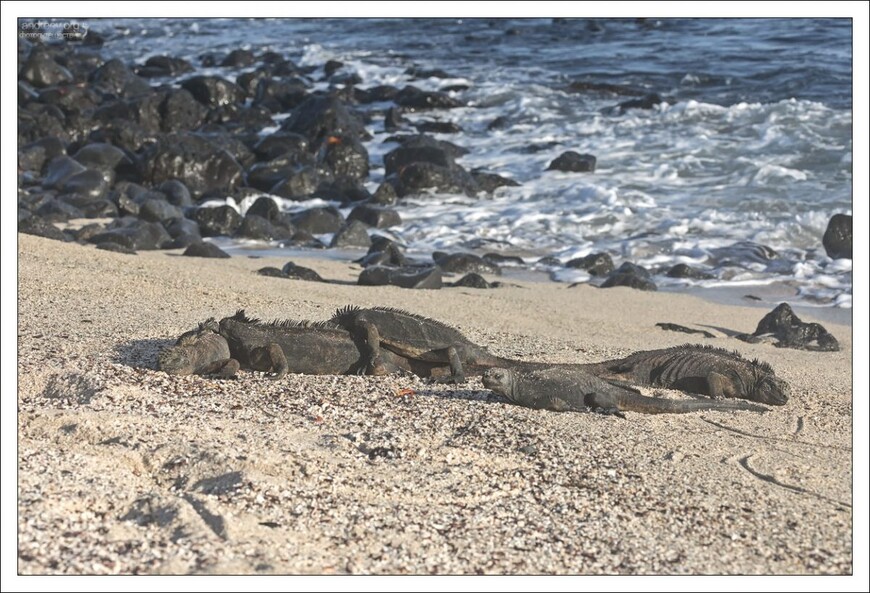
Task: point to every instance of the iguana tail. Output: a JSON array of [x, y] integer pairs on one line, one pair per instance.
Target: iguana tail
[[631, 402]]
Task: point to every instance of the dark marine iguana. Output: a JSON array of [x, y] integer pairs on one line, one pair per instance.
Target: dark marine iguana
[[200, 351], [698, 369], [564, 389], [313, 348], [383, 329]]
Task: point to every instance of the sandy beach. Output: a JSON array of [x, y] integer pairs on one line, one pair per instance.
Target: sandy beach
[[125, 469]]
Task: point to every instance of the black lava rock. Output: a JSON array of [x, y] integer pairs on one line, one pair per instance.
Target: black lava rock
[[597, 264], [838, 237], [573, 162], [408, 277], [205, 249], [785, 326]]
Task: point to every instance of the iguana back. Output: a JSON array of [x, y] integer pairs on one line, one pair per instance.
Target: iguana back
[[315, 348], [698, 369], [561, 389]]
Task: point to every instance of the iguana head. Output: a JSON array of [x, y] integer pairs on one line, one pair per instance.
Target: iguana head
[[501, 381], [770, 389], [175, 360]]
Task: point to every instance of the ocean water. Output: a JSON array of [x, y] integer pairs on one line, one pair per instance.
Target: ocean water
[[753, 146]]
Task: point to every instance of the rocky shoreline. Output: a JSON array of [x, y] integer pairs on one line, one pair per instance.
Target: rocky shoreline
[[173, 157]]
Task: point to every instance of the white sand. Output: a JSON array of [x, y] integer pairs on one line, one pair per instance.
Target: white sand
[[124, 469]]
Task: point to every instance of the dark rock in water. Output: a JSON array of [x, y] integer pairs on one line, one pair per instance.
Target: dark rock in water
[[296, 170], [463, 263], [385, 195], [353, 234], [438, 127], [101, 156], [408, 277], [473, 280], [743, 252], [498, 123], [345, 156], [317, 118], [489, 182], [426, 73], [686, 271], [157, 210], [783, 325], [597, 87], [413, 98], [213, 91], [265, 207], [298, 185], [238, 58], [375, 216], [116, 248], [631, 275], [114, 78], [176, 193], [393, 119], [257, 227], [163, 66], [597, 264], [42, 71], [37, 226], [498, 259], [221, 220], [272, 272], [89, 184], [550, 261], [195, 161], [279, 95], [573, 162], [633, 269], [419, 149], [180, 111], [293, 147], [205, 249], [376, 94], [342, 189], [139, 236], [291, 270], [419, 177], [649, 101], [59, 170], [838, 237], [683, 329], [318, 220], [331, 66]]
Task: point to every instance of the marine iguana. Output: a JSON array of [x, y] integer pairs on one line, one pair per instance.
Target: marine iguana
[[698, 369], [200, 351], [382, 329], [562, 389], [313, 348]]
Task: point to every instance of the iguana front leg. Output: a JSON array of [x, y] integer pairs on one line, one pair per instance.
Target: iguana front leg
[[457, 373], [225, 369], [375, 364], [720, 386], [278, 361]]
